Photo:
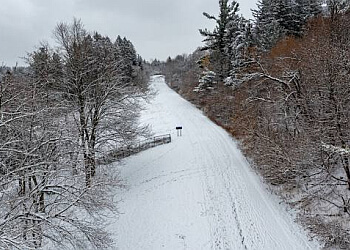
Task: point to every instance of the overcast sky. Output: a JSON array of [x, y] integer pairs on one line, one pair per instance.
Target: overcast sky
[[157, 28]]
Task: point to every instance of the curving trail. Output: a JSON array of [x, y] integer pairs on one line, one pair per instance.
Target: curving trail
[[197, 192]]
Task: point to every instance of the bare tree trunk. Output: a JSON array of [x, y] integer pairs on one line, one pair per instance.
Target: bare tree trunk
[[84, 137], [346, 169]]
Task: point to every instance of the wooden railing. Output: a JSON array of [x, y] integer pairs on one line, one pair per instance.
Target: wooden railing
[[124, 152]]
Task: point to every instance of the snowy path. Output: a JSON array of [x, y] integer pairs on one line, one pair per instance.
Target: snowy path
[[197, 192]]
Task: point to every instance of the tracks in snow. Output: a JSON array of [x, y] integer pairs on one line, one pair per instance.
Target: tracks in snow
[[198, 192]]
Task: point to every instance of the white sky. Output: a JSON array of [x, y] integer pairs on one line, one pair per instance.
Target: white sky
[[157, 28]]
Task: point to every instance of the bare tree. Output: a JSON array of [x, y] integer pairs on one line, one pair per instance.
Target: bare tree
[[66, 109], [41, 200], [103, 98]]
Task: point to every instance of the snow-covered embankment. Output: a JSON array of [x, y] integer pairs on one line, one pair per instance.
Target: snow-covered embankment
[[197, 192]]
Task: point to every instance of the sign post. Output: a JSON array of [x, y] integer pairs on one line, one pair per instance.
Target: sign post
[[179, 130]]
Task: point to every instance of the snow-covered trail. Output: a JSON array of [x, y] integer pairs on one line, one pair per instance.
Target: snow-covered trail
[[197, 192]]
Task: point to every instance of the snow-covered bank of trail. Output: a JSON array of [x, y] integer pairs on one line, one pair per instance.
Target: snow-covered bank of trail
[[197, 192]]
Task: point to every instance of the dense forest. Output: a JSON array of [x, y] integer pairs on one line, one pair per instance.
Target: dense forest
[[280, 85], [72, 105]]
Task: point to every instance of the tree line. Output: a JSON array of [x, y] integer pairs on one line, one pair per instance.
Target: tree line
[[73, 104], [280, 84]]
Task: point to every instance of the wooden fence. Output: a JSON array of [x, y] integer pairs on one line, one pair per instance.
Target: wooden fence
[[124, 152]]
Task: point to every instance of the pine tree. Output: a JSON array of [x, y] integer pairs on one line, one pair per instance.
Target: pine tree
[[127, 56], [239, 54], [217, 40], [268, 29], [309, 8], [275, 19]]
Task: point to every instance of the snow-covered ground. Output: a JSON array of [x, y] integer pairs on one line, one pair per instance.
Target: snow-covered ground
[[197, 192]]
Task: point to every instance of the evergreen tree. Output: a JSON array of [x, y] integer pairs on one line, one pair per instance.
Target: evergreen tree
[[217, 40], [239, 54], [309, 8], [275, 19], [268, 29], [127, 56]]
